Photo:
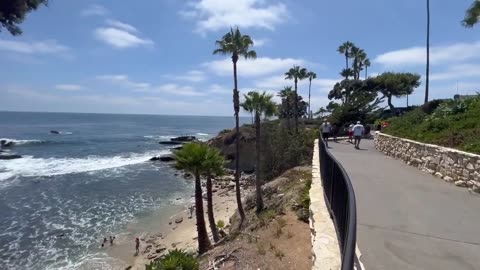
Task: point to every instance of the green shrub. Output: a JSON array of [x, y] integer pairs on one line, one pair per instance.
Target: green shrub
[[175, 260], [220, 224], [453, 124]]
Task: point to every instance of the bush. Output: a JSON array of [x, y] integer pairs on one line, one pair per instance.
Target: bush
[[220, 224], [304, 212], [175, 260], [283, 150], [453, 124]]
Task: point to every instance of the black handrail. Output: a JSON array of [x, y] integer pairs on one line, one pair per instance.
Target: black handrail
[[340, 198]]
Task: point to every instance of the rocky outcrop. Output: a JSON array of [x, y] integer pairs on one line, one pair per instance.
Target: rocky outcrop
[[9, 156], [166, 158], [225, 142], [454, 166]]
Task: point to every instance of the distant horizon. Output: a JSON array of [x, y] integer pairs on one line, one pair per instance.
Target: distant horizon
[[106, 113]]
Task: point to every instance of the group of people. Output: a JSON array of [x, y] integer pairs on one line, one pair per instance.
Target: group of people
[[105, 241], [355, 133]]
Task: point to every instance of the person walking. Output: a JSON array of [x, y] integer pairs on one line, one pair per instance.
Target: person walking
[[350, 133], [358, 131], [137, 246], [326, 128]]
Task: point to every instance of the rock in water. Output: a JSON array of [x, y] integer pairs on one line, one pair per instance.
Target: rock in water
[[6, 143], [166, 158], [170, 142], [7, 156], [54, 132], [184, 139], [179, 220]]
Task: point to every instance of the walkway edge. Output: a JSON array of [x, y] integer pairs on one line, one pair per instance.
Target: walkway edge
[[325, 246]]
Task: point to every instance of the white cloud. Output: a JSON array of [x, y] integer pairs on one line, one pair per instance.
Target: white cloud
[[213, 15], [120, 38], [438, 54], [175, 89], [121, 25], [252, 68], [36, 47], [457, 71], [123, 81], [192, 76], [260, 42], [95, 10], [218, 89], [68, 87]]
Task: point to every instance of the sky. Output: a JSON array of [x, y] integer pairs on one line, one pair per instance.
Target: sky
[[155, 57]]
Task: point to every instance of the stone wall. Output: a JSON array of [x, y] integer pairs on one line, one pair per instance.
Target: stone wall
[[454, 166]]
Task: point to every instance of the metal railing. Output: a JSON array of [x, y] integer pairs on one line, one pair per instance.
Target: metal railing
[[340, 199]]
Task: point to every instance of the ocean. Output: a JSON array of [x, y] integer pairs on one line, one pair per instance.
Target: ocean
[[92, 180]]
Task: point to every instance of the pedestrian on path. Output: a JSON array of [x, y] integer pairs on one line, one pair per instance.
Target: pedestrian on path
[[350, 133], [326, 128], [358, 131]]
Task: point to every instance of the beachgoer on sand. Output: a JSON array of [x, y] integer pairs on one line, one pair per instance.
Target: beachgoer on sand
[[137, 246]]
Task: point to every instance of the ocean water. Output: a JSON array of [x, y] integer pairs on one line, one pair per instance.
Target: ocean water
[[93, 179]]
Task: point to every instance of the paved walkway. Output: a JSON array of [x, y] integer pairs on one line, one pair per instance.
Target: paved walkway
[[408, 219]]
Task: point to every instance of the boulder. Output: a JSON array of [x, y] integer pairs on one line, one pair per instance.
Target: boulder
[[6, 143], [9, 156], [184, 139], [170, 142], [179, 220], [166, 158], [54, 132]]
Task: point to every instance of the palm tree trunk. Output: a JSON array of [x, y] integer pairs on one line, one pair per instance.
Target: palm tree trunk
[[236, 107], [296, 107], [258, 180], [346, 63], [366, 68], [389, 102], [252, 118], [427, 74], [309, 108], [203, 242], [211, 217]]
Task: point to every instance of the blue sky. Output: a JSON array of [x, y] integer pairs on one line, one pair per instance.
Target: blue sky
[[155, 57]]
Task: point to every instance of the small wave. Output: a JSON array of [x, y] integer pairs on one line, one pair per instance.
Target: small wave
[[202, 134], [66, 132], [159, 137], [29, 166], [7, 141]]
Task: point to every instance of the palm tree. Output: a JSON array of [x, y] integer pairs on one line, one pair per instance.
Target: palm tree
[[262, 104], [213, 164], [247, 106], [321, 112], [358, 56], [296, 73], [191, 158], [472, 15], [427, 74], [366, 63], [311, 76], [235, 44], [345, 49], [286, 95]]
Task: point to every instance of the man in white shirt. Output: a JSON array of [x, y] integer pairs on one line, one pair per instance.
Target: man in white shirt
[[326, 128], [358, 131]]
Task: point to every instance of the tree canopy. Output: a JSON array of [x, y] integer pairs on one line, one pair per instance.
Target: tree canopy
[[392, 84], [287, 107], [13, 12], [472, 14], [236, 44]]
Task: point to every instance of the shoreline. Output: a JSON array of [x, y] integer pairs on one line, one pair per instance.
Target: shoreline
[[178, 230]]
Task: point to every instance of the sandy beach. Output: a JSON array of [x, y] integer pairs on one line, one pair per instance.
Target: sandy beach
[[176, 231]]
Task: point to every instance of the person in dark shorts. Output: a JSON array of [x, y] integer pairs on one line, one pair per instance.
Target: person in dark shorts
[[137, 246], [326, 128]]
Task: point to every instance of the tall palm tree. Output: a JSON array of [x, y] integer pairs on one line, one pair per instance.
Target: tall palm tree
[[427, 74], [296, 73], [311, 76], [358, 56], [262, 104], [212, 165], [472, 16], [191, 158], [235, 44], [366, 63], [345, 49]]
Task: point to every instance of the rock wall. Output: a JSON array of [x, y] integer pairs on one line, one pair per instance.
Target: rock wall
[[454, 166]]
